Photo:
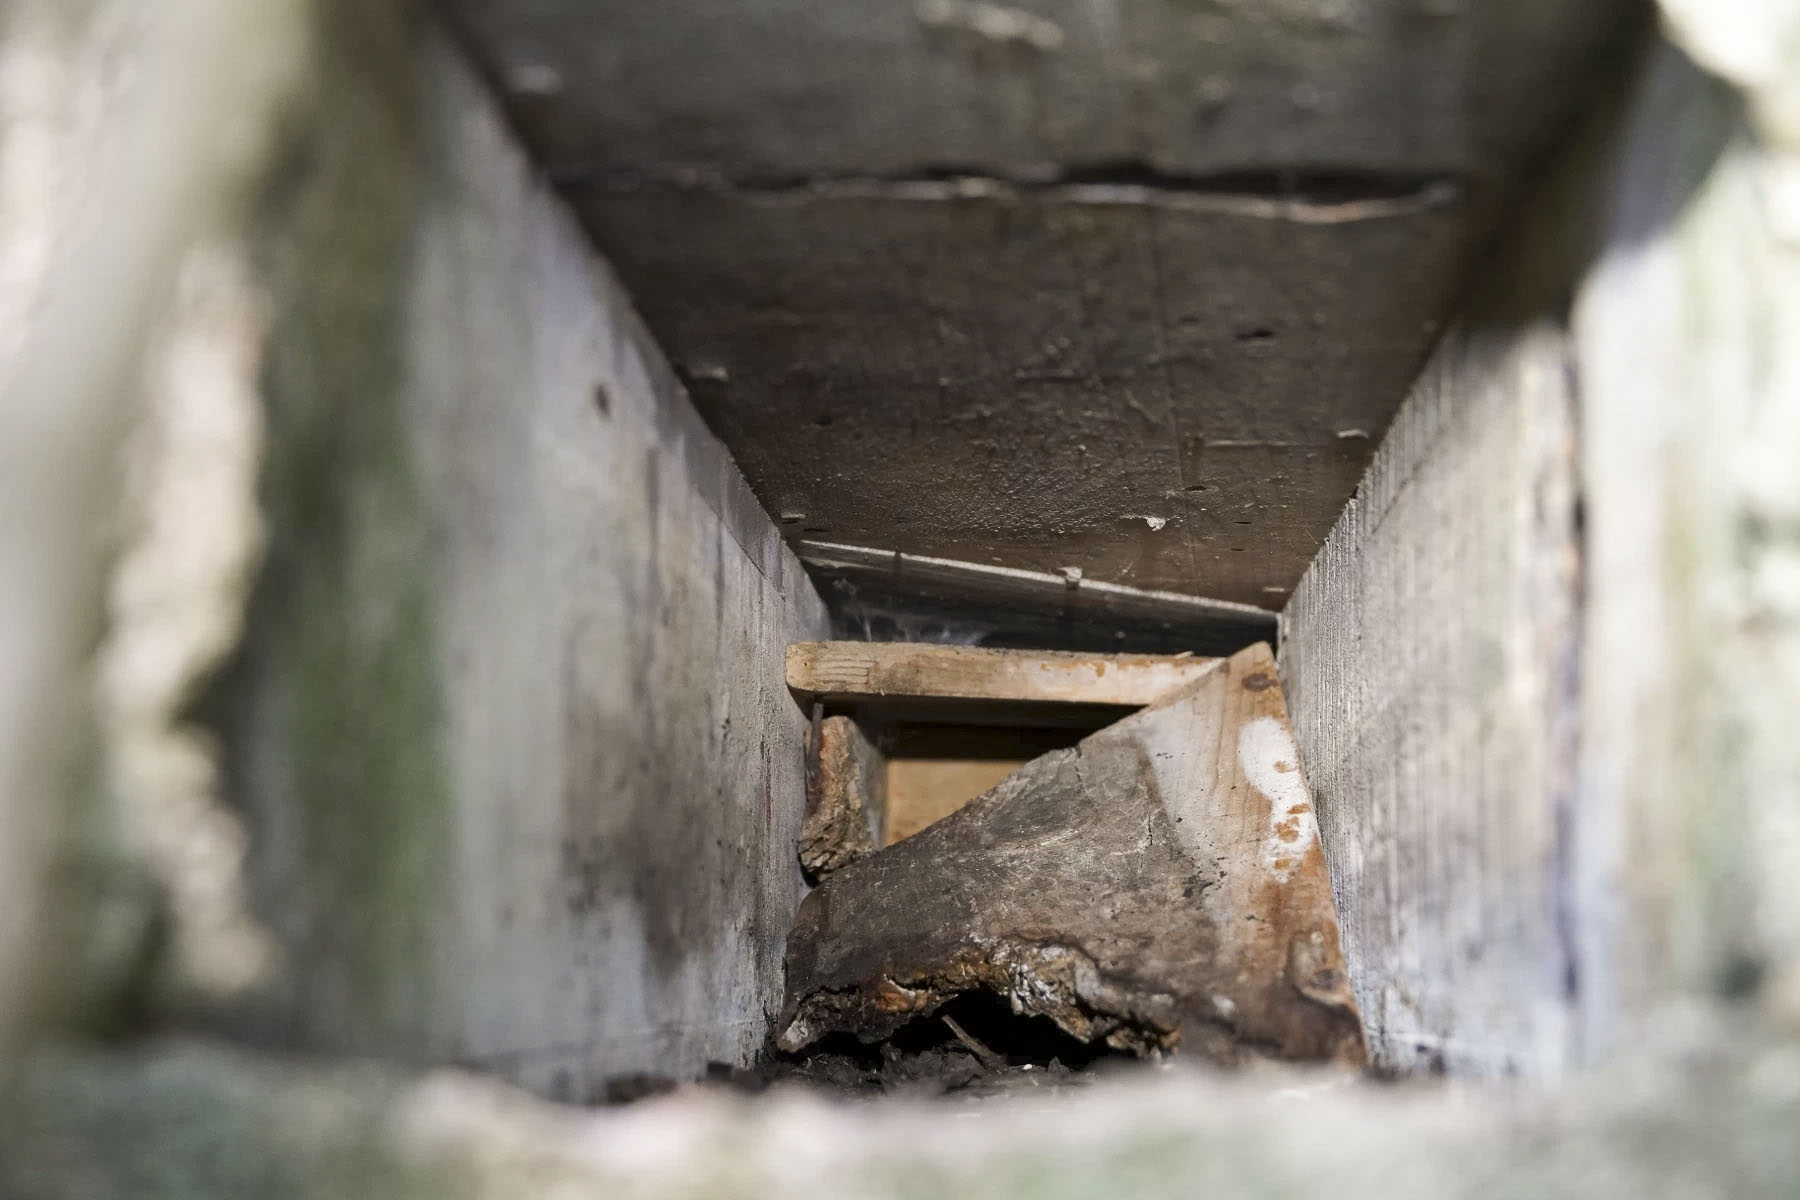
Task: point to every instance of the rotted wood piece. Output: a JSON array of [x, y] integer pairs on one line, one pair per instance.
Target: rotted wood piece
[[1160, 885], [846, 794]]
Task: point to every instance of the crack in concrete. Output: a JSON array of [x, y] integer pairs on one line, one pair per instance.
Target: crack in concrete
[[1304, 195]]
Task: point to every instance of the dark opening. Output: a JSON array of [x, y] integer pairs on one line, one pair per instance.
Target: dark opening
[[973, 1044]]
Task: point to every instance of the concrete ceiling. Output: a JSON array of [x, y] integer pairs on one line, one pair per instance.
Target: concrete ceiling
[[1130, 288]]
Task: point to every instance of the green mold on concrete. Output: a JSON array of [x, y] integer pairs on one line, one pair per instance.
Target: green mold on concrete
[[340, 748]]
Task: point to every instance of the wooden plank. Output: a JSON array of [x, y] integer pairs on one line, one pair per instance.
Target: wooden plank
[[896, 672], [1159, 885], [923, 791]]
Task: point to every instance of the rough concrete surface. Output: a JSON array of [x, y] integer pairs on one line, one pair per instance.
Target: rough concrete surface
[[1425, 656], [1687, 332], [1706, 1114], [801, 89], [521, 777], [1694, 298], [1125, 288], [1544, 684], [128, 358], [1172, 393]]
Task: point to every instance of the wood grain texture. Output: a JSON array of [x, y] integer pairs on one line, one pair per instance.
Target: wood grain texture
[[867, 673], [1159, 885], [934, 769], [923, 791], [523, 779], [1428, 657]]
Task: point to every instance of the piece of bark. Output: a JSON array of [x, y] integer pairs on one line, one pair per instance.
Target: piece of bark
[[845, 798], [1159, 885]]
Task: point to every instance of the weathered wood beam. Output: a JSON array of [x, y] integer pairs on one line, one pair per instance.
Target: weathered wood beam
[[873, 673], [1687, 344], [847, 815], [1159, 886]]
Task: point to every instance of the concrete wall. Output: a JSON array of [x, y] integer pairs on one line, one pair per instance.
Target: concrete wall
[[1431, 656], [521, 776], [1698, 1116], [1545, 693], [1688, 338], [1426, 657]]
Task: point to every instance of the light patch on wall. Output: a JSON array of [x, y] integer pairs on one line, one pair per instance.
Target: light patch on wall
[[1270, 761]]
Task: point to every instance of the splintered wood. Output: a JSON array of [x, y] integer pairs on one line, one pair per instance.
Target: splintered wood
[[1159, 885]]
